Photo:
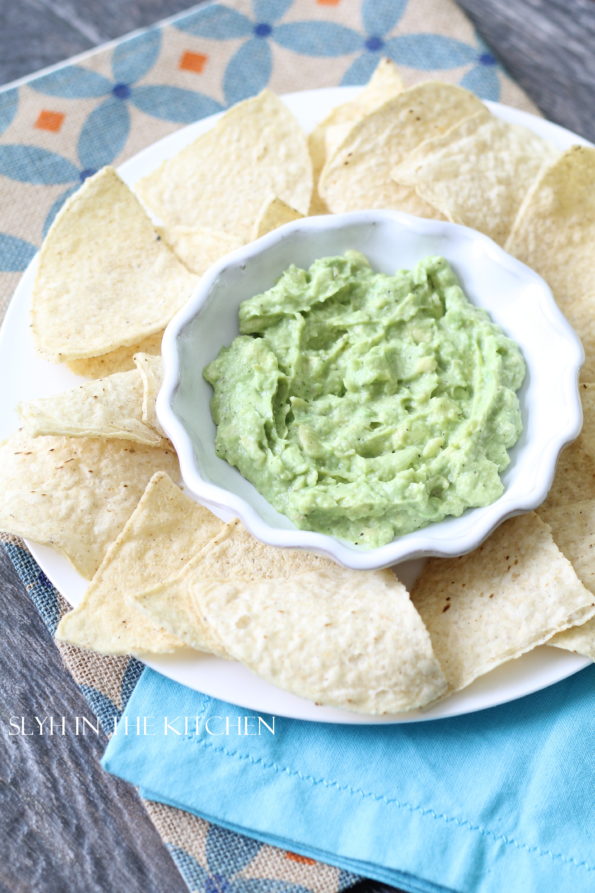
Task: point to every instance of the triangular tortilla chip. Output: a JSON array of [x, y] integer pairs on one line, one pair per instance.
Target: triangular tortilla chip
[[273, 213], [163, 532], [105, 278], [505, 598], [120, 360], [257, 148], [554, 233], [573, 528], [341, 637], [478, 172], [106, 407], [358, 175], [327, 136], [75, 493]]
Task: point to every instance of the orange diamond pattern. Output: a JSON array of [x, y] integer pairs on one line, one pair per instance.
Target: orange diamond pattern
[[193, 62], [295, 857], [48, 120]]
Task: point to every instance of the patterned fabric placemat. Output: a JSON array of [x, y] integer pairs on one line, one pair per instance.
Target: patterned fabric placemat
[[60, 126]]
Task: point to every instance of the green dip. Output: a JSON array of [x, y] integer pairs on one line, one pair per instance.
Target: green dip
[[364, 405]]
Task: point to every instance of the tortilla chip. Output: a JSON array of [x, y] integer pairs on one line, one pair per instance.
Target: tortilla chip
[[573, 529], [150, 369], [107, 407], [340, 637], [75, 493], [505, 598], [385, 83], [358, 175], [327, 136], [105, 279], [554, 233], [273, 213], [198, 247], [240, 555], [575, 477], [587, 435], [120, 360], [575, 472], [234, 555], [164, 530], [478, 172], [579, 639], [257, 148], [581, 315]]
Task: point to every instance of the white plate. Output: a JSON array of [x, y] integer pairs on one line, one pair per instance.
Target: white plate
[[30, 376]]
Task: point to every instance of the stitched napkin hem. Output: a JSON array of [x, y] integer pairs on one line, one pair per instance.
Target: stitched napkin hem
[[490, 801], [365, 869]]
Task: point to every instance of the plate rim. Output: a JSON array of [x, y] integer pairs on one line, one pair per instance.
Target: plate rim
[[472, 700]]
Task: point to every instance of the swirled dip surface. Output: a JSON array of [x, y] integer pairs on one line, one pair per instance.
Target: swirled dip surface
[[365, 405]]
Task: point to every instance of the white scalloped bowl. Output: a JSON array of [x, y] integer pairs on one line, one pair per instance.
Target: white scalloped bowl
[[515, 297]]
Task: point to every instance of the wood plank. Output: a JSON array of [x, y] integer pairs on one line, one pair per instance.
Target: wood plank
[[65, 824], [548, 50]]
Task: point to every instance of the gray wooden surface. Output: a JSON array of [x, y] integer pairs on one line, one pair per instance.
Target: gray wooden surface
[[548, 47], [64, 824]]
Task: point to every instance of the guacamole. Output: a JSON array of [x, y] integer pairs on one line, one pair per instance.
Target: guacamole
[[365, 405]]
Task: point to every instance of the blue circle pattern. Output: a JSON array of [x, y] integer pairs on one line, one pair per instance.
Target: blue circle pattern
[[262, 29], [121, 91], [487, 59], [9, 103], [374, 43]]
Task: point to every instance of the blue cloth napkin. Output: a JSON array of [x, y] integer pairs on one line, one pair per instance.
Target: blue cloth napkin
[[501, 800]]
